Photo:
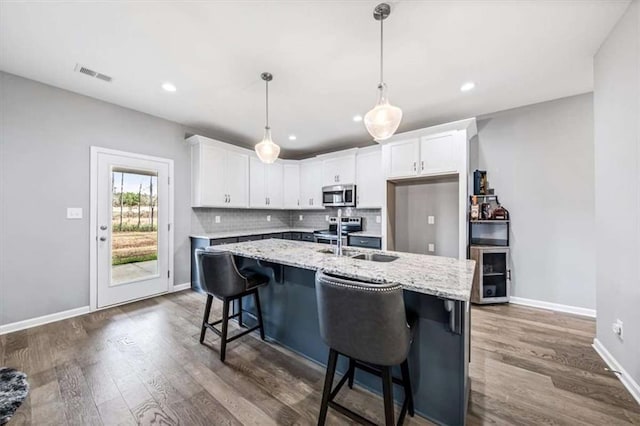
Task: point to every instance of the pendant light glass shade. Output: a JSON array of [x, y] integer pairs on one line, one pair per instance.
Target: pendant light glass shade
[[266, 149], [383, 120]]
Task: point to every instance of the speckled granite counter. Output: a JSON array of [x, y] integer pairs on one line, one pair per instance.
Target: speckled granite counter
[[434, 275]]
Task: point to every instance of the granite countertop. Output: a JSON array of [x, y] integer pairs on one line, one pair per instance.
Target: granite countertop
[[444, 277], [366, 234], [247, 232]]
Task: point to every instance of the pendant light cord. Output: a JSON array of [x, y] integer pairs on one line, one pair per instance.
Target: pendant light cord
[[267, 104], [381, 50]]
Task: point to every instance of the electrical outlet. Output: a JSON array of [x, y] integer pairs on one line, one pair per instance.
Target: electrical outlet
[[300, 218], [326, 218], [378, 219], [432, 247], [74, 213], [217, 219], [617, 329], [268, 218], [431, 220]]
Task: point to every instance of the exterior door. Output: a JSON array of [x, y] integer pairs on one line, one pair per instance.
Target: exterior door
[[132, 218]]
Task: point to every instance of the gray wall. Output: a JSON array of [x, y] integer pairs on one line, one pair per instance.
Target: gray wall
[[414, 204], [617, 189], [45, 138], [540, 160]]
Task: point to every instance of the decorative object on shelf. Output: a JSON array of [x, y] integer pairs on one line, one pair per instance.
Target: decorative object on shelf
[[485, 211], [500, 213], [266, 149], [383, 120], [475, 208], [480, 182]]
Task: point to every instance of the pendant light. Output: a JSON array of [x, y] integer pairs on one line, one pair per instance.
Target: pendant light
[[266, 149], [383, 120]]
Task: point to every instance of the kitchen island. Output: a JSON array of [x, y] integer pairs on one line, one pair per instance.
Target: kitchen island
[[437, 291]]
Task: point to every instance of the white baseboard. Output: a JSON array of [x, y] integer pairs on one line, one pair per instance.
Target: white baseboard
[[625, 378], [180, 287], [576, 310], [45, 319]]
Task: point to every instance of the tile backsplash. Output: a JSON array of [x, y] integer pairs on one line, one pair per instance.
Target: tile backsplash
[[203, 220]]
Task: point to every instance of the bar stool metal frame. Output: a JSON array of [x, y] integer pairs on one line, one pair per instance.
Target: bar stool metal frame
[[238, 285], [392, 302]]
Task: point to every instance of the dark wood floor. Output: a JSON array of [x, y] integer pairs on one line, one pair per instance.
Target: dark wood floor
[[142, 363]]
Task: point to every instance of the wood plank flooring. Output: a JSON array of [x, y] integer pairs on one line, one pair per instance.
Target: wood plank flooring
[[142, 364]]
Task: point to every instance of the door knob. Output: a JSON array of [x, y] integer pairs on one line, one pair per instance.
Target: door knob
[[103, 227]]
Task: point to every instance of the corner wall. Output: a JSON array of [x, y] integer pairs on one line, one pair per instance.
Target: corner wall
[[617, 192]]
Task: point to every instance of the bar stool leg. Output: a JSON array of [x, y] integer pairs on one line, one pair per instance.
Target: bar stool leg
[[387, 392], [225, 324], [240, 312], [328, 384], [205, 320], [408, 393], [259, 312], [351, 372]]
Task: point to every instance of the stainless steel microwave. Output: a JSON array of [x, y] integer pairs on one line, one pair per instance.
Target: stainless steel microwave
[[339, 196]]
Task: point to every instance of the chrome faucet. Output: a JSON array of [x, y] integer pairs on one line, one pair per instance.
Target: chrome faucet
[[339, 234]]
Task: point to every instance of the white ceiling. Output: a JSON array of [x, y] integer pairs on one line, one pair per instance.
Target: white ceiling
[[323, 54]]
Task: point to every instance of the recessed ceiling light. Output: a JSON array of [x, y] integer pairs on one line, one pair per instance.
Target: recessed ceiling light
[[357, 118], [292, 137], [168, 87], [469, 85]]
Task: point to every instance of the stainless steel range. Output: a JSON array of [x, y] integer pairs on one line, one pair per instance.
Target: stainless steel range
[[330, 236]]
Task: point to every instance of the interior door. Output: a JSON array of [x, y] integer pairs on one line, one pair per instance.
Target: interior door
[[132, 236]]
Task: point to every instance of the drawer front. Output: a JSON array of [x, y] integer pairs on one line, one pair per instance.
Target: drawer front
[[366, 242], [277, 235], [219, 241], [296, 236], [249, 238], [307, 237]]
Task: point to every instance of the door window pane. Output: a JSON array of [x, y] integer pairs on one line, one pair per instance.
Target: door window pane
[[134, 225]]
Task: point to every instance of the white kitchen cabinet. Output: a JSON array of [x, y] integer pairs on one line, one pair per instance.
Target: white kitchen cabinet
[[265, 184], [219, 174], [369, 179], [291, 186], [440, 154], [311, 184], [404, 157], [339, 170]]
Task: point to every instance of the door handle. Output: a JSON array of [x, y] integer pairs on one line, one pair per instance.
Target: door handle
[[103, 238], [103, 227]]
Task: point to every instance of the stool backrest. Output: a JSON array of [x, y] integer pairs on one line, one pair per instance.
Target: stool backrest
[[219, 275], [365, 321]]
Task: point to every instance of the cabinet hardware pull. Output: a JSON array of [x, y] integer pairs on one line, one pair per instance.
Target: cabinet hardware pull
[[423, 165], [414, 166]]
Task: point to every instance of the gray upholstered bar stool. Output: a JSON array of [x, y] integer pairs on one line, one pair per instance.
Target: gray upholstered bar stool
[[220, 278], [368, 324]]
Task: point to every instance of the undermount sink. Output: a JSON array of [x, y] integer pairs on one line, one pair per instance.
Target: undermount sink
[[375, 257]]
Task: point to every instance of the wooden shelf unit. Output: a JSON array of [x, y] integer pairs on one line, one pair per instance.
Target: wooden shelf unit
[[492, 281]]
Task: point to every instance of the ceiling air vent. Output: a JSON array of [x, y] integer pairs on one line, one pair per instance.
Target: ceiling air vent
[[91, 73]]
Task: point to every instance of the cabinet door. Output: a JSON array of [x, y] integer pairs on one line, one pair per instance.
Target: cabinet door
[[212, 185], [257, 184], [291, 186], [311, 185], [404, 158], [237, 178], [274, 179], [369, 180], [339, 170], [440, 154]]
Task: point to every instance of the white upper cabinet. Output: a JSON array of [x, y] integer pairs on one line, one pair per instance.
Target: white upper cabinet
[[404, 157], [440, 154], [265, 184], [291, 187], [219, 174], [339, 170], [369, 179], [311, 184]]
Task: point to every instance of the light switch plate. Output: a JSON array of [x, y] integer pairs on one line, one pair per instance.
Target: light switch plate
[[378, 219], [74, 212], [432, 247], [268, 218], [431, 220], [217, 219]]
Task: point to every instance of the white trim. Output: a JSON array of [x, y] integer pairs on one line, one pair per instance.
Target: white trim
[[625, 378], [180, 287], [93, 218], [576, 310], [45, 319]]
